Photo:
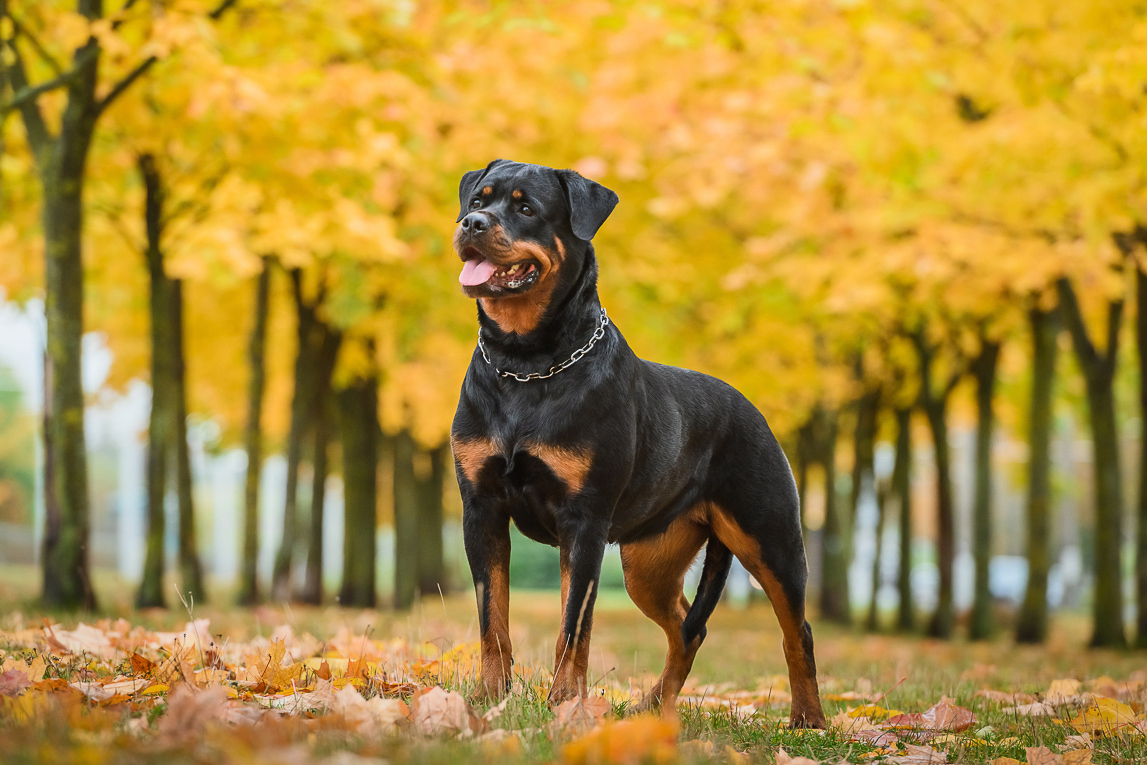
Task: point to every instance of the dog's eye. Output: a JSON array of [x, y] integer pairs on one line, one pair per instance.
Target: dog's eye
[[475, 203], [526, 210]]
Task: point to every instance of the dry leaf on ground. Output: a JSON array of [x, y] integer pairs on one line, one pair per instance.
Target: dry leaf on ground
[[918, 755], [644, 739], [436, 711], [579, 714]]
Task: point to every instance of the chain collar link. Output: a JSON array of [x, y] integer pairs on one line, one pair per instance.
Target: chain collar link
[[598, 334]]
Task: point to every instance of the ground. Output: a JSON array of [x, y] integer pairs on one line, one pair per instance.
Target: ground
[[291, 684]]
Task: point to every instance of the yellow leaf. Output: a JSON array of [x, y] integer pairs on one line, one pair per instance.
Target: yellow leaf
[[155, 690], [1103, 717]]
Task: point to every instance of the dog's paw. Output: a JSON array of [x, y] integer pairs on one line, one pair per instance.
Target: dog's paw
[[562, 692]]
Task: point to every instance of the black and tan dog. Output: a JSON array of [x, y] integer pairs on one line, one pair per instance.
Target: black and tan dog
[[564, 431]]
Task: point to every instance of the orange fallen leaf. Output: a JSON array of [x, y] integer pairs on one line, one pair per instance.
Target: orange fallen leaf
[[1103, 717], [579, 714], [638, 740]]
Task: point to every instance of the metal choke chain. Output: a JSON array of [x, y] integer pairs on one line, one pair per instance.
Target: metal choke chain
[[598, 334]]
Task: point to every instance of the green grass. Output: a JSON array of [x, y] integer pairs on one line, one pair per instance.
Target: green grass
[[743, 649]]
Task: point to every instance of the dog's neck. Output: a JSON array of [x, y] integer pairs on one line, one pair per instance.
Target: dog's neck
[[567, 322]]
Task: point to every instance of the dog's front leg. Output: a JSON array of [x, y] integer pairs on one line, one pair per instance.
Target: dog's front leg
[[581, 572], [486, 532]]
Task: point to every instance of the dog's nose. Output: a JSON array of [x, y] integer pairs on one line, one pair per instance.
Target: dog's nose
[[475, 223]]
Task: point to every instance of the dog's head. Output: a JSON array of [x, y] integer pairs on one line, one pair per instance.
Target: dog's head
[[520, 226]]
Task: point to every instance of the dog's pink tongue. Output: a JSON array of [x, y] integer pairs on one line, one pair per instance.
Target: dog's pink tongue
[[476, 272]]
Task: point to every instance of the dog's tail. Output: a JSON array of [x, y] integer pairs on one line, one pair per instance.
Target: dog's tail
[[718, 560]]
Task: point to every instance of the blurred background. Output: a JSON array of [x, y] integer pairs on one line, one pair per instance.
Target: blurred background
[[912, 233]]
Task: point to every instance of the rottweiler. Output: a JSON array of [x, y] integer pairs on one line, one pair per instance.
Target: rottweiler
[[561, 429]]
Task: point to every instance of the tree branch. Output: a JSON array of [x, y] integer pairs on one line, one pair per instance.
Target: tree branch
[[1084, 349], [1114, 322], [39, 137], [50, 60], [148, 62], [125, 83], [26, 93]]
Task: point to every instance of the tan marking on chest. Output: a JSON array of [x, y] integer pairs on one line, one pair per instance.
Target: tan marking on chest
[[570, 465], [472, 455]]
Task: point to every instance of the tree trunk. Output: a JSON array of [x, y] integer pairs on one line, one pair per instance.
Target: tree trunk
[[902, 490], [358, 419], [984, 370], [834, 560], [1099, 375], [327, 357], [935, 406], [190, 571], [1032, 624], [161, 425], [301, 427], [405, 522], [257, 361], [804, 459], [1141, 515], [872, 623], [61, 162], [431, 573]]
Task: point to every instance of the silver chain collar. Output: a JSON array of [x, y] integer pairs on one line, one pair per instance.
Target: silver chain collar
[[598, 334]]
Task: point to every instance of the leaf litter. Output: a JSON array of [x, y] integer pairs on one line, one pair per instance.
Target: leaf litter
[[115, 681]]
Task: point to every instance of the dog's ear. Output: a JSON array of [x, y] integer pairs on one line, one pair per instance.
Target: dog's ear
[[468, 185], [590, 203]]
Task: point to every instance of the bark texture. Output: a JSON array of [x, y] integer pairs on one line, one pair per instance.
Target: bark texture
[[984, 371], [253, 439], [1099, 374], [1031, 626], [359, 430]]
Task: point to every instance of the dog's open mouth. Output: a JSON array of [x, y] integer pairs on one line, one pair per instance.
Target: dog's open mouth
[[479, 271]]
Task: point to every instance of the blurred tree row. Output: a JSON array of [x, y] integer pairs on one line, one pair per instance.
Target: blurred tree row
[[853, 212]]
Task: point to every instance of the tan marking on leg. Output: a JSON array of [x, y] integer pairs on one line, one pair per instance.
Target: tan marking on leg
[[560, 646], [570, 465], [497, 653], [472, 455], [806, 708], [572, 666], [521, 314], [654, 577]]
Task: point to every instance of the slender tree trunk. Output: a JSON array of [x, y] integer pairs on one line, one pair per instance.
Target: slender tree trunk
[[161, 425], [256, 356], [872, 623], [405, 522], [902, 490], [935, 406], [1141, 534], [1032, 624], [358, 418], [301, 427], [1099, 375], [190, 571], [834, 560], [863, 450], [984, 370], [431, 572], [327, 357]]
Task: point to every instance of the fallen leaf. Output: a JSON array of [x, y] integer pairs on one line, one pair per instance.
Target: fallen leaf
[[1035, 709], [638, 740], [368, 717], [1076, 757], [918, 755], [1103, 717], [1006, 761], [783, 758], [437, 711], [942, 716], [13, 682], [1061, 691], [579, 714], [1041, 755]]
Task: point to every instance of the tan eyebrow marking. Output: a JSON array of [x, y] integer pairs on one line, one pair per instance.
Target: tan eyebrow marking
[[487, 189], [517, 194]]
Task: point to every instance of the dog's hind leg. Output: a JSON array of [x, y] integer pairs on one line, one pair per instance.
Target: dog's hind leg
[[654, 576], [778, 563]]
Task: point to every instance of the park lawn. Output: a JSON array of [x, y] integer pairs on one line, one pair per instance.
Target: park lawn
[[741, 663]]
